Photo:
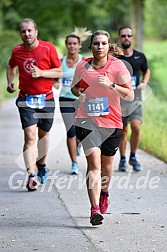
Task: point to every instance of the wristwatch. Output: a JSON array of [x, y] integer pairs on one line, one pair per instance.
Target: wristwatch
[[112, 86]]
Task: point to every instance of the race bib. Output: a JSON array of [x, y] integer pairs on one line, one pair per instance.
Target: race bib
[[134, 80], [36, 101], [67, 82], [97, 106]]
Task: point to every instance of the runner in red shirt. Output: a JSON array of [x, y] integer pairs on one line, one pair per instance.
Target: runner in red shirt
[[99, 82], [38, 64]]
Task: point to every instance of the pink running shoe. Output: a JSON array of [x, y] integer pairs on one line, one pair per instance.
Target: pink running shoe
[[96, 217], [104, 202]]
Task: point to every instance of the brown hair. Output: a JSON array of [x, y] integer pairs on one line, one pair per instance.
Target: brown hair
[[72, 36], [114, 48], [81, 33]]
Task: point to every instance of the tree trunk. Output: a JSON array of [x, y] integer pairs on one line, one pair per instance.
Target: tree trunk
[[137, 22]]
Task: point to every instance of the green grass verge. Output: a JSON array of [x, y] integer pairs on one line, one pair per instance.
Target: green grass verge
[[156, 52], [154, 128]]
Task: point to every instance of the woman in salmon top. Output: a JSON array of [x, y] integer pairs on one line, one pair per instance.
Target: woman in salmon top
[[99, 82]]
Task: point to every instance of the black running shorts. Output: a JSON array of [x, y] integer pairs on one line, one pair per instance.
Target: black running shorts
[[107, 139], [43, 118]]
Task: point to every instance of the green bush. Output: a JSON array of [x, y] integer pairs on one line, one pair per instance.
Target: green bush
[[7, 41]]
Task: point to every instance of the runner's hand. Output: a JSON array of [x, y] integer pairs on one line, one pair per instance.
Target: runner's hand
[[35, 71], [142, 86], [82, 97], [10, 88], [104, 80]]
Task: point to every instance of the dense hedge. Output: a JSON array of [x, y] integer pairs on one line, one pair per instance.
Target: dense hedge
[[7, 40]]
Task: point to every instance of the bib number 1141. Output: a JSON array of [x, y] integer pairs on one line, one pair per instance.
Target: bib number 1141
[[97, 106]]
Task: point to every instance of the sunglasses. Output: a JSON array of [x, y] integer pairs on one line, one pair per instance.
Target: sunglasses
[[126, 35]]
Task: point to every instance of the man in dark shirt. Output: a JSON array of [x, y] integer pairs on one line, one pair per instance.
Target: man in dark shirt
[[132, 112]]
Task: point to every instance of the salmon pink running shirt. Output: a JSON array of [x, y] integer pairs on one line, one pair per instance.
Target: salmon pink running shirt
[[118, 74]]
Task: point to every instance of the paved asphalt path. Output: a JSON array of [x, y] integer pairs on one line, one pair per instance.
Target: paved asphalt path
[[56, 216]]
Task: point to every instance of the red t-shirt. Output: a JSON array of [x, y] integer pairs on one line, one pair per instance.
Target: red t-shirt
[[117, 73], [43, 56]]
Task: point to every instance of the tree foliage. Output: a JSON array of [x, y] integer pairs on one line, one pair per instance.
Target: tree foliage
[[155, 19], [57, 18]]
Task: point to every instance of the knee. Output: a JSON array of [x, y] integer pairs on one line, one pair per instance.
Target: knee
[[136, 129], [29, 137], [94, 166]]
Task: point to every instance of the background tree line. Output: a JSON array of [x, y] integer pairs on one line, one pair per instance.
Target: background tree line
[[56, 19]]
